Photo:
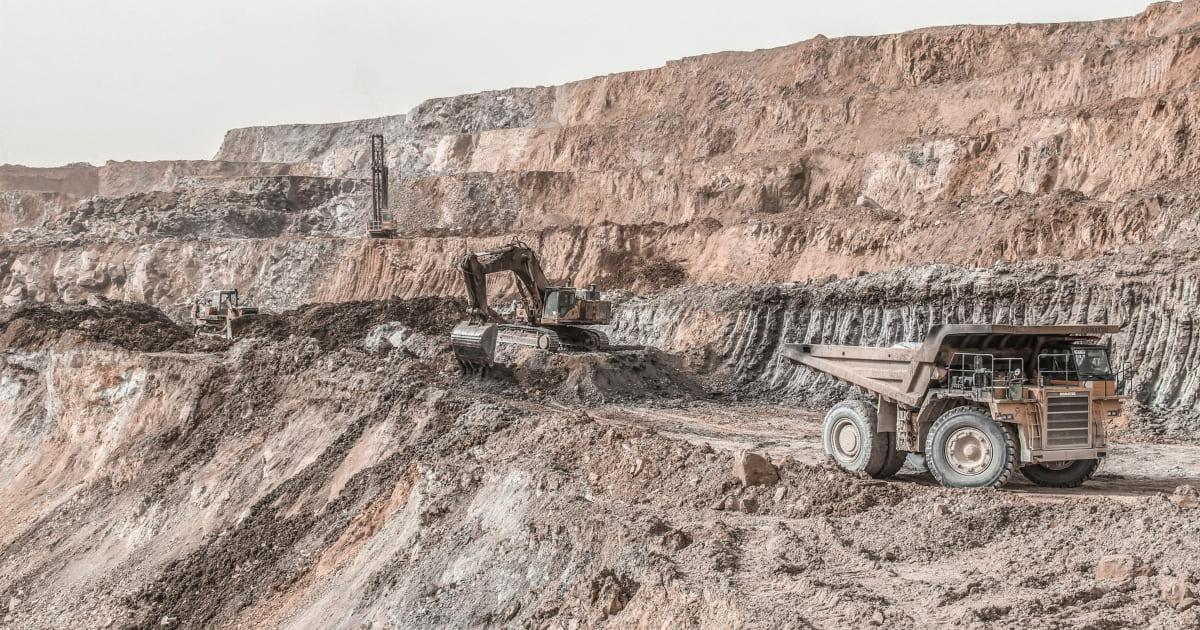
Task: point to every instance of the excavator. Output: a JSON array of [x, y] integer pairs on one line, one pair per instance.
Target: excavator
[[547, 317]]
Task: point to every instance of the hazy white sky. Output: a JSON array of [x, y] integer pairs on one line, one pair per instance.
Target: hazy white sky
[[92, 80]]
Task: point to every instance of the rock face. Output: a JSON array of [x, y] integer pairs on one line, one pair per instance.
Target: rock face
[[906, 120], [332, 469], [1022, 173], [739, 332], [116, 179], [338, 149], [78, 180]]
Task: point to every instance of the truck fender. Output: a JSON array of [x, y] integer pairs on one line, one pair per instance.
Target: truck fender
[[885, 416], [1023, 453]]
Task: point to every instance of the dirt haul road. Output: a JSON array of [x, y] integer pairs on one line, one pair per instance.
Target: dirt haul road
[[1134, 469]]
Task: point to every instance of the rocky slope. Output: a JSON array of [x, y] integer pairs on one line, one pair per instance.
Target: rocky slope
[[856, 190], [311, 477], [736, 333], [1030, 151]]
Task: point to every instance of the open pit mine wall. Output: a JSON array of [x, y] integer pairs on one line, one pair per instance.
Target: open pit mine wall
[[736, 332], [825, 157], [906, 121], [317, 256], [739, 332], [115, 179]]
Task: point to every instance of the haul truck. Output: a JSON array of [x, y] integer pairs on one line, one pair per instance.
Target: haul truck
[[977, 401]]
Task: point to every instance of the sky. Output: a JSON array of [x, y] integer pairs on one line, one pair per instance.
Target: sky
[[92, 80]]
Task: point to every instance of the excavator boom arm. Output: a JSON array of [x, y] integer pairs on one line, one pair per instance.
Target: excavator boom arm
[[516, 257]]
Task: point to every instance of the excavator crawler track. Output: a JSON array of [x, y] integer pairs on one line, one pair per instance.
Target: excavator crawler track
[[583, 339], [532, 336]]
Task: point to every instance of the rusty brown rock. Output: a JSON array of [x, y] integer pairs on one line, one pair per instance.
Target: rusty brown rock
[[1121, 567], [1186, 497], [752, 469]]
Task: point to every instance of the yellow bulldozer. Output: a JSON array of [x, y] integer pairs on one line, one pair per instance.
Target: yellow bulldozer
[[220, 314]]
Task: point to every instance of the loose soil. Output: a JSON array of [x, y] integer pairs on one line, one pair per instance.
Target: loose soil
[[314, 483]]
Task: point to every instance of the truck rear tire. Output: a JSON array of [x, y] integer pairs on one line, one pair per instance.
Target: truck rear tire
[[1061, 474], [967, 449], [850, 437], [895, 458]]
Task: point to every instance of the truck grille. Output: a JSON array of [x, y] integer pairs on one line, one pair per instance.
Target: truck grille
[[1068, 424]]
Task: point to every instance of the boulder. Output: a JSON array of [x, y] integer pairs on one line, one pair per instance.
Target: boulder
[[1121, 567], [752, 469], [1177, 593], [1185, 497]]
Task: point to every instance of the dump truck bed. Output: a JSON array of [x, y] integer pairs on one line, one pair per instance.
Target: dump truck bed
[[903, 374]]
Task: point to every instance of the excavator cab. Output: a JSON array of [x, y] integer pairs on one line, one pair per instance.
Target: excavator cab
[[221, 300], [571, 306], [559, 302]]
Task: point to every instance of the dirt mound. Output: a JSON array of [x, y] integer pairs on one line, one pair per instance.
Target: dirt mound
[[343, 325], [140, 327], [310, 488], [129, 325], [637, 273], [641, 374]]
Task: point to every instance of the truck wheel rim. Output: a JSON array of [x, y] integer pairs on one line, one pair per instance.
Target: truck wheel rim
[[969, 451], [846, 440]]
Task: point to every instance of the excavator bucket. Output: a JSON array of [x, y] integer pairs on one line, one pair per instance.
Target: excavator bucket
[[474, 345]]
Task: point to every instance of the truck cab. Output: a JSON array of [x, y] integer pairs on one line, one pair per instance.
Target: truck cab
[[1056, 398]]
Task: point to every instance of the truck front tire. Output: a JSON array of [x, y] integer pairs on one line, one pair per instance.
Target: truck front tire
[[967, 449], [1061, 474], [850, 437]]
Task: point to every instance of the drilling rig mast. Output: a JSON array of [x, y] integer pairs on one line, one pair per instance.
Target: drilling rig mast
[[381, 225]]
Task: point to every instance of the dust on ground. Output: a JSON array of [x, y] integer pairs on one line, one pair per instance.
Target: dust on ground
[[379, 488], [596, 377]]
